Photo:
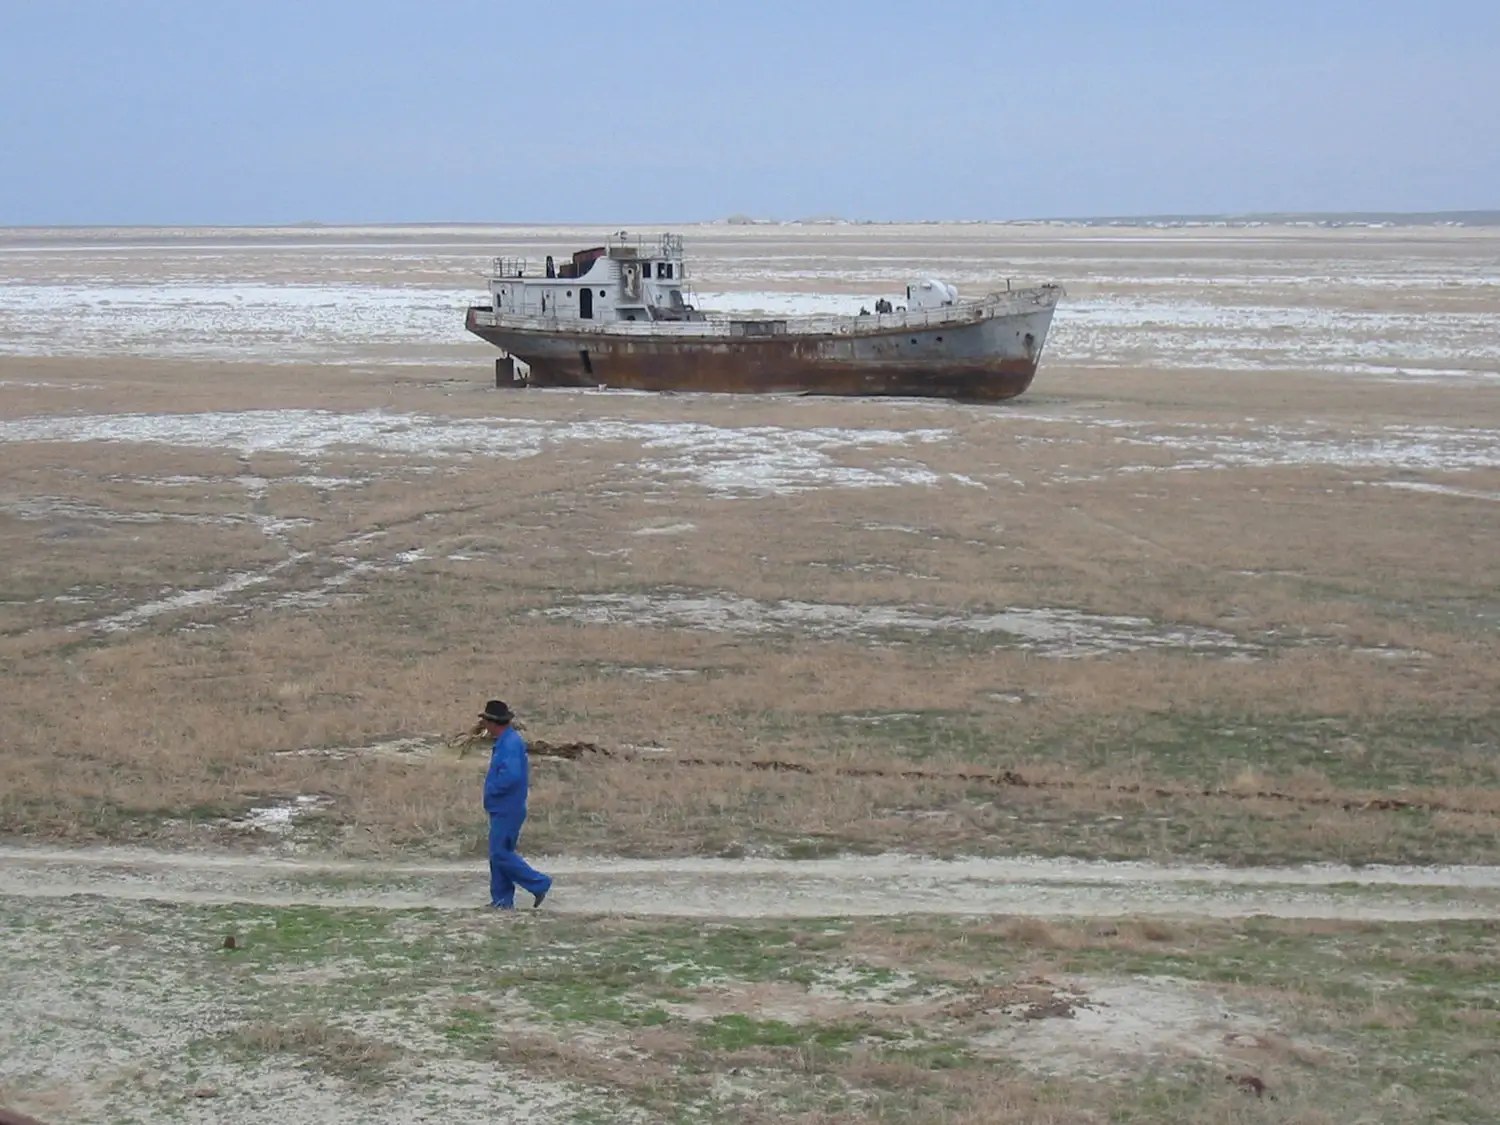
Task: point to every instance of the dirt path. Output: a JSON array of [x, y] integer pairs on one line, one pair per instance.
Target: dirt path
[[880, 885]]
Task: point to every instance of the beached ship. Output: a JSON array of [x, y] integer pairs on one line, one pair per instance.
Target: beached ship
[[621, 315]]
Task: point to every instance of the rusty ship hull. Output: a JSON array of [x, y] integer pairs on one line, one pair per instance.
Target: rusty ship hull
[[981, 351]]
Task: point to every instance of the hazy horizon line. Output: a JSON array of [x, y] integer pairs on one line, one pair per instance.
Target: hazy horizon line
[[1466, 216]]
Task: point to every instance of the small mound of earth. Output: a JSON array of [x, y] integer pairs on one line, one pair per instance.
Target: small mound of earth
[[1105, 1029], [421, 746]]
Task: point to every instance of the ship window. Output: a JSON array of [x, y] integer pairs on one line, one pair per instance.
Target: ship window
[[661, 269], [669, 269]]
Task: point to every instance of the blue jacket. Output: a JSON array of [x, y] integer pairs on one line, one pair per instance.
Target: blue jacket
[[505, 785]]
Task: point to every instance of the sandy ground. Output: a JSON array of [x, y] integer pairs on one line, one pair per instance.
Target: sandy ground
[[714, 888], [137, 1011], [1215, 408]]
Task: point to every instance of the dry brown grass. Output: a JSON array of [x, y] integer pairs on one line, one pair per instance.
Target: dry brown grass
[[655, 1068], [336, 1050], [106, 734], [665, 1070]]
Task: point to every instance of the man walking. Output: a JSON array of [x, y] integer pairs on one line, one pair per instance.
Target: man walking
[[505, 800]]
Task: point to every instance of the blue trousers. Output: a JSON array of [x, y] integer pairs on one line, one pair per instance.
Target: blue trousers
[[507, 869]]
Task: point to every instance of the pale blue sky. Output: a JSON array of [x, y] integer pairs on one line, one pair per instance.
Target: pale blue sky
[[200, 111]]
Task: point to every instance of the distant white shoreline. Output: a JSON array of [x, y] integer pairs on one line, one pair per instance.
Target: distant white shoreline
[[1331, 220]]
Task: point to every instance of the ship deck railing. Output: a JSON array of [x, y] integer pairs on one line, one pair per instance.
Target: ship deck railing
[[760, 324]]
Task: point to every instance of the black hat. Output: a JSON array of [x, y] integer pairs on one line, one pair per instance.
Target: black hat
[[496, 711]]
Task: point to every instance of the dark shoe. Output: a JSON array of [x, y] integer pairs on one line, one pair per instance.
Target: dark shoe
[[537, 905]]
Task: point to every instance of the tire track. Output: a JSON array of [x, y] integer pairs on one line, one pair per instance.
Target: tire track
[[864, 886]]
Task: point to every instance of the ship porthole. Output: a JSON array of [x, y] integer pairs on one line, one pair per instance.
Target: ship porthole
[[601, 292], [940, 339], [913, 339], [570, 292]]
